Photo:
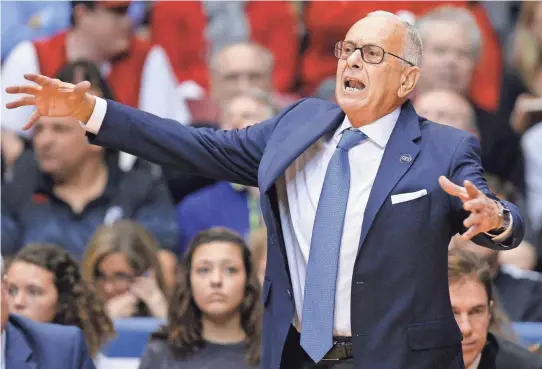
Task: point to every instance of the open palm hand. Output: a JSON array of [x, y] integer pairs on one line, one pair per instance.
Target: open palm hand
[[52, 98]]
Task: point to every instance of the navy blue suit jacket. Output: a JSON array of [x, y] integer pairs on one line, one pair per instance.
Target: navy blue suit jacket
[[401, 313], [31, 345]]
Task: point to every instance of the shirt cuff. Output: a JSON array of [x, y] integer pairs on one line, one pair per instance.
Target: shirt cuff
[[96, 119], [504, 235]]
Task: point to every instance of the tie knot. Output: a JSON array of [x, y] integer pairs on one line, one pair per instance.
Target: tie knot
[[351, 138]]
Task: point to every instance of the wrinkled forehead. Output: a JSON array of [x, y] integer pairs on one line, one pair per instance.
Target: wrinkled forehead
[[383, 31]]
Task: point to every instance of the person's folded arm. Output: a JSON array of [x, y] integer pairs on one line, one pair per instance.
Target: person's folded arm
[[466, 165]]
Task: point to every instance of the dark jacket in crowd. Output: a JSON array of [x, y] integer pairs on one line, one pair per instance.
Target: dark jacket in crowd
[[44, 346], [500, 353], [32, 213], [501, 149], [520, 293]]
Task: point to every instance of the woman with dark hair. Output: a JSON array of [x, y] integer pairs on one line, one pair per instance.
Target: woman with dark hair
[[45, 285], [215, 313]]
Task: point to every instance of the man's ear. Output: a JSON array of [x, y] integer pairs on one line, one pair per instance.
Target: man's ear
[[409, 79]]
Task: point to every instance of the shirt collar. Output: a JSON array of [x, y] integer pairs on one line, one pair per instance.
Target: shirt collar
[[476, 362], [378, 131]]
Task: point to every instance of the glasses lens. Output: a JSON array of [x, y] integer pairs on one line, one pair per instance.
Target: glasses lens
[[344, 49], [372, 54]]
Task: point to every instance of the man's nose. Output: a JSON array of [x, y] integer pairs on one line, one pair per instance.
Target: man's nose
[[243, 83], [464, 325], [355, 61], [19, 301]]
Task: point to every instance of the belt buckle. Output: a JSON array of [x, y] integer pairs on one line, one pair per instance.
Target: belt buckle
[[337, 346]]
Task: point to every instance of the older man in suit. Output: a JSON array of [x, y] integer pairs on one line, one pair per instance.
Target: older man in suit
[[359, 201], [30, 345]]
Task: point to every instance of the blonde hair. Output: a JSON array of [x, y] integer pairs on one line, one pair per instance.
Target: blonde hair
[[129, 238]]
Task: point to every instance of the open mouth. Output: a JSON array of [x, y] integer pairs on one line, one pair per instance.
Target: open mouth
[[353, 85]]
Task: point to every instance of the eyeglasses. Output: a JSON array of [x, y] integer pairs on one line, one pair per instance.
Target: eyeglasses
[[117, 278], [371, 54]]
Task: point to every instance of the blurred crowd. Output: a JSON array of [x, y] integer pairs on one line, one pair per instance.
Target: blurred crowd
[[90, 235]]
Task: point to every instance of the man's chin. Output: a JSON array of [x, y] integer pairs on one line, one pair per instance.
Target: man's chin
[[352, 103]]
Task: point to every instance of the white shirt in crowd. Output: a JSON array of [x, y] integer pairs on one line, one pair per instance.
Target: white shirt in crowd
[[298, 192], [476, 362]]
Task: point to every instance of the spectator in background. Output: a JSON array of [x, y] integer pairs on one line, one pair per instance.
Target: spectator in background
[[326, 22], [44, 284], [122, 260], [532, 143], [215, 314], [33, 20], [473, 305], [258, 249], [524, 82], [77, 189], [27, 344], [102, 32], [234, 69], [225, 204], [520, 292], [449, 108], [206, 27], [452, 47]]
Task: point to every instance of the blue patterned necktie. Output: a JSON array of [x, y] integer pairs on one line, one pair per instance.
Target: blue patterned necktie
[[321, 277]]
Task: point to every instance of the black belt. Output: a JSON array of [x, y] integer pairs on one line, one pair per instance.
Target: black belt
[[341, 350]]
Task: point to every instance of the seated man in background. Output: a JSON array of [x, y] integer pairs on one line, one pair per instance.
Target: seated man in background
[[449, 108], [208, 26], [33, 20], [26, 344], [236, 68], [473, 305], [225, 204], [452, 48], [74, 188], [102, 32], [519, 291]]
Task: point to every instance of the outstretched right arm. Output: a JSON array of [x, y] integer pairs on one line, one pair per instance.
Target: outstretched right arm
[[232, 156]]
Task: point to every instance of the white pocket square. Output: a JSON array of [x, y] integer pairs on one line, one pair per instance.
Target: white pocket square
[[402, 197]]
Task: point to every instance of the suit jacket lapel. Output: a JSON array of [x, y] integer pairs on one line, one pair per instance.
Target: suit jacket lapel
[[18, 352], [398, 157], [295, 141]]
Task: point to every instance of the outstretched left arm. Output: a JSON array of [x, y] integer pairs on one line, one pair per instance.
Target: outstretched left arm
[[477, 211]]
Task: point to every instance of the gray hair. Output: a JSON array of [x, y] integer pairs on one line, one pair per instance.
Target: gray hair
[[266, 56], [457, 15], [413, 47]]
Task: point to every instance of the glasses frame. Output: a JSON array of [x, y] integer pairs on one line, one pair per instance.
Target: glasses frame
[[338, 52]]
